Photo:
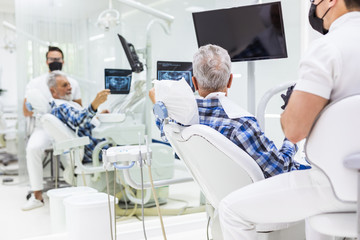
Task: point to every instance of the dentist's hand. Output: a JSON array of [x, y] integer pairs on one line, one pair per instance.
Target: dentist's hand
[[100, 98], [286, 96]]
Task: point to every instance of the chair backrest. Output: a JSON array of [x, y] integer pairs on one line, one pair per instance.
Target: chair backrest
[[55, 128], [209, 155], [333, 138]]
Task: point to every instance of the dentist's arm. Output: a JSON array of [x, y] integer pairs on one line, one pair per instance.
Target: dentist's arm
[[300, 114]]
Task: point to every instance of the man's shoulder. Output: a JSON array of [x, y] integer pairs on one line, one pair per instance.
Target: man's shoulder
[[40, 78]]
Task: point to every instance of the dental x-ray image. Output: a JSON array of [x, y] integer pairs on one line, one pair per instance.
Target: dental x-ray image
[[118, 80], [175, 71]]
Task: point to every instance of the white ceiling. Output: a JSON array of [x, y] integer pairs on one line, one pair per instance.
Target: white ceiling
[[7, 6]]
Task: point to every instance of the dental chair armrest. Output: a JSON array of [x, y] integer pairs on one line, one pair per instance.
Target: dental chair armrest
[[352, 161], [62, 146]]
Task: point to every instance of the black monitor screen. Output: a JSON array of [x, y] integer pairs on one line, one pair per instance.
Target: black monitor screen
[[175, 71], [118, 80], [251, 32]]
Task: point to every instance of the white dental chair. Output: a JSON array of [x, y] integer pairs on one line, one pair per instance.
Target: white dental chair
[[208, 155], [333, 146], [66, 141]]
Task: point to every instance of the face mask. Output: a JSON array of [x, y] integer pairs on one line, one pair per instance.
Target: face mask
[[55, 66], [317, 23]]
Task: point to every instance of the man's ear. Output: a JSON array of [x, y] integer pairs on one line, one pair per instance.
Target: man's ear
[[195, 83], [53, 92], [230, 81], [332, 3]]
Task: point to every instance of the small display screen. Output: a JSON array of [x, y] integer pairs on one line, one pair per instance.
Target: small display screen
[[175, 71], [118, 80]]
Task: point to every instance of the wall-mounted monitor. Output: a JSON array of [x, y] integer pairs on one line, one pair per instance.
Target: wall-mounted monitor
[[252, 32], [175, 71]]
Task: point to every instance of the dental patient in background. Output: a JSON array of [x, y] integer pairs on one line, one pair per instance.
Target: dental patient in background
[[212, 79], [71, 113]]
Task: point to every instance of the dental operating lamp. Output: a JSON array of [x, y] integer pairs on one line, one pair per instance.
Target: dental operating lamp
[[156, 13]]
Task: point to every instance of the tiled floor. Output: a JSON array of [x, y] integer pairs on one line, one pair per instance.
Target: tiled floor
[[16, 224]]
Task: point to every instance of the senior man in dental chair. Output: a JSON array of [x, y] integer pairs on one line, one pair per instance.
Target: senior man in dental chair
[[212, 78], [76, 117], [73, 115]]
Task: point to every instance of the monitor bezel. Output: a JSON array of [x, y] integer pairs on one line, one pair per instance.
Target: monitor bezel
[[278, 3]]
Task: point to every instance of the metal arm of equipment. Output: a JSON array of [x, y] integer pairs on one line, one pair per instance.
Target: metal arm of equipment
[[164, 16], [260, 113], [159, 183]]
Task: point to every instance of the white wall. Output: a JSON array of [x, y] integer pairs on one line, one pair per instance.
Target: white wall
[[7, 63]]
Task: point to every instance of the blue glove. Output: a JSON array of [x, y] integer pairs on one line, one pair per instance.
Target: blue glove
[[287, 96], [28, 106]]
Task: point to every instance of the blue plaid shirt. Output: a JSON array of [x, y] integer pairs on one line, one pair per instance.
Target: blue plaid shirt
[[245, 132], [81, 119]]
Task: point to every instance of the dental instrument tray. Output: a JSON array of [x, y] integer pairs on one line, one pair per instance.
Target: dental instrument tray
[[111, 117], [118, 80]]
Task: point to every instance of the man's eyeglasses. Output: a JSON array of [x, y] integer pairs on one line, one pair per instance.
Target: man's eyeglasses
[[54, 59]]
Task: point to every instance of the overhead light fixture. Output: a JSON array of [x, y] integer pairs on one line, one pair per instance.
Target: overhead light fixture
[[108, 18]]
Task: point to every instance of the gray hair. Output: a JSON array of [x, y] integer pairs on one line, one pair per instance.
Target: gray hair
[[51, 80], [212, 67]]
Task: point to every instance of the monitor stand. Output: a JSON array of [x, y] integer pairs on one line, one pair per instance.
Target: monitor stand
[[251, 87]]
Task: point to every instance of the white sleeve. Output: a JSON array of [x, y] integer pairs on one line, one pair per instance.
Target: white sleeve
[[38, 83], [29, 86], [318, 69]]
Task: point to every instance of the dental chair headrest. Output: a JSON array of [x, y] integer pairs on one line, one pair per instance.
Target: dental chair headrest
[[38, 102], [179, 100]]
